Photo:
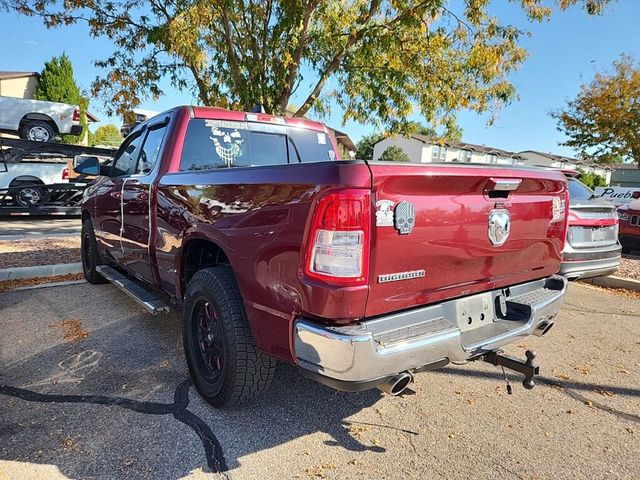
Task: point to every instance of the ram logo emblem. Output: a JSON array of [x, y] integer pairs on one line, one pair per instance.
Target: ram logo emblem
[[499, 226]]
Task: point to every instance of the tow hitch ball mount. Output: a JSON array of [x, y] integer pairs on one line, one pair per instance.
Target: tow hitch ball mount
[[528, 368]]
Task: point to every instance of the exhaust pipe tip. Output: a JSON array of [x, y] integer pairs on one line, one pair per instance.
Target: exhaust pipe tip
[[396, 384], [543, 328]]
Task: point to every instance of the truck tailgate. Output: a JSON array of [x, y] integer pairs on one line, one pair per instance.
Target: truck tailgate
[[448, 253]]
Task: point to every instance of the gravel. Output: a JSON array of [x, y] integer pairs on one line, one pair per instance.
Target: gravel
[[629, 268], [30, 282], [43, 251]]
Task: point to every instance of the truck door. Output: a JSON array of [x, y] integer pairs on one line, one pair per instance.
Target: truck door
[[108, 219], [138, 206]]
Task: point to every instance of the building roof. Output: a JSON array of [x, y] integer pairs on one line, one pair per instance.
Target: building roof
[[563, 159], [344, 139], [91, 117], [626, 166], [6, 75], [466, 146]]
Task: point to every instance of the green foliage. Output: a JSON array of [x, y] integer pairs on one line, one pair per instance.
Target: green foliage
[[603, 121], [380, 61], [107, 135], [56, 84], [592, 180], [365, 146], [394, 154]]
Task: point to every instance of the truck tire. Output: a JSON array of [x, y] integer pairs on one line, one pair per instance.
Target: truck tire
[[90, 255], [38, 131], [27, 197], [226, 366]]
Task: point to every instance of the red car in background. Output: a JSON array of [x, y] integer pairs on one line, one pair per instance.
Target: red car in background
[[629, 234], [592, 248]]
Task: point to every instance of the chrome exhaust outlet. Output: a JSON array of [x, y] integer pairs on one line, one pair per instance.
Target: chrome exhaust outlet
[[397, 384], [543, 328]]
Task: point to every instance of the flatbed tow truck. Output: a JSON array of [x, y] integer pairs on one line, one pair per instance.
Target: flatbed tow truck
[[36, 178]]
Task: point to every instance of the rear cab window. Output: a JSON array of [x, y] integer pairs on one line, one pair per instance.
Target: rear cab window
[[215, 144]]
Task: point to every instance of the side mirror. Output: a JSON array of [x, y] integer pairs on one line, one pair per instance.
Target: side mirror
[[88, 166]]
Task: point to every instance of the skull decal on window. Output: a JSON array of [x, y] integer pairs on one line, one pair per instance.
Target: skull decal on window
[[405, 218], [227, 144]]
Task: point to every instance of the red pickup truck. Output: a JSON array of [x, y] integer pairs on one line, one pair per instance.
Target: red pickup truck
[[360, 273]]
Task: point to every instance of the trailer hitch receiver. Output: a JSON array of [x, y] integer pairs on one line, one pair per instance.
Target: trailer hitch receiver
[[528, 368]]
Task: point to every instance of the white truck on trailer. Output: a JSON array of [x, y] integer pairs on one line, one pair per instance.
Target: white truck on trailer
[[38, 120]]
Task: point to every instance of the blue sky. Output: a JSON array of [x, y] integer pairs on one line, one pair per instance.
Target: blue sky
[[563, 53]]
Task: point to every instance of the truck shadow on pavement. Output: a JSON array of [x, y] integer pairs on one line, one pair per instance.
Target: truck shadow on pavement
[[570, 388], [132, 366]]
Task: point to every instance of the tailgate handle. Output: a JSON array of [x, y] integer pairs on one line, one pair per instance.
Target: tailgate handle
[[500, 187]]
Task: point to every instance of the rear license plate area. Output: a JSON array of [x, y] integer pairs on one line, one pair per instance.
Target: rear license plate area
[[475, 311]]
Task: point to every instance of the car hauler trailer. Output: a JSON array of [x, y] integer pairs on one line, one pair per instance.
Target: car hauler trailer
[[35, 180]]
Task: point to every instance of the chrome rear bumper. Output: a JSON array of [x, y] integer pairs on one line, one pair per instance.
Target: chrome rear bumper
[[361, 356]]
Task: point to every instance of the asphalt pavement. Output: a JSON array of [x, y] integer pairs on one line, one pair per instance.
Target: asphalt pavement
[[33, 227], [93, 387]]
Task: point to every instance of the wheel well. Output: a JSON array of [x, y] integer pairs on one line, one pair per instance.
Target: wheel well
[[199, 254], [25, 180], [38, 116]]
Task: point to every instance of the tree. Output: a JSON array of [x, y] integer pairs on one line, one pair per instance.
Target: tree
[[592, 180], [107, 135], [365, 146], [394, 154], [603, 121], [56, 84], [380, 61]]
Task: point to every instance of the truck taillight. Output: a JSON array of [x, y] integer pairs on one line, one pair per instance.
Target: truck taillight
[[76, 115], [65, 173], [560, 214], [338, 250]]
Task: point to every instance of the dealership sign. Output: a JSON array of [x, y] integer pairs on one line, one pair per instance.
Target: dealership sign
[[618, 195]]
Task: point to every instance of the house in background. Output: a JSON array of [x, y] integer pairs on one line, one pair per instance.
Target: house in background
[[625, 175], [424, 149], [532, 157], [18, 84]]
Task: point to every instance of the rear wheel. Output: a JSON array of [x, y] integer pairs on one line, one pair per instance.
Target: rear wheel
[[225, 364], [38, 131], [28, 196], [90, 255]]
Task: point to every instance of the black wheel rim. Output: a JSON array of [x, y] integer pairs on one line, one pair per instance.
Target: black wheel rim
[[208, 341]]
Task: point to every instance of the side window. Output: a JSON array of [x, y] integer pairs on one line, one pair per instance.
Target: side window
[[125, 162], [150, 150]]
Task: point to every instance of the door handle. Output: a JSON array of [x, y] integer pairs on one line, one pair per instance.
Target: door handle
[[142, 196], [117, 194]]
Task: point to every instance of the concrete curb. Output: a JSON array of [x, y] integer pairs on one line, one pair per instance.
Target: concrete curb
[[40, 271], [39, 236], [615, 282], [47, 285]]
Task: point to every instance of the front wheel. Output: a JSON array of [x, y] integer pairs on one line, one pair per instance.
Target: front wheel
[[90, 255], [226, 366]]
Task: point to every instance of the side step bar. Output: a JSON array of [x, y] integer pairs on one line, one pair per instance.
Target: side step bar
[[136, 291]]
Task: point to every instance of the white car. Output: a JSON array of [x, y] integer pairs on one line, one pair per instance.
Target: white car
[[38, 120]]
